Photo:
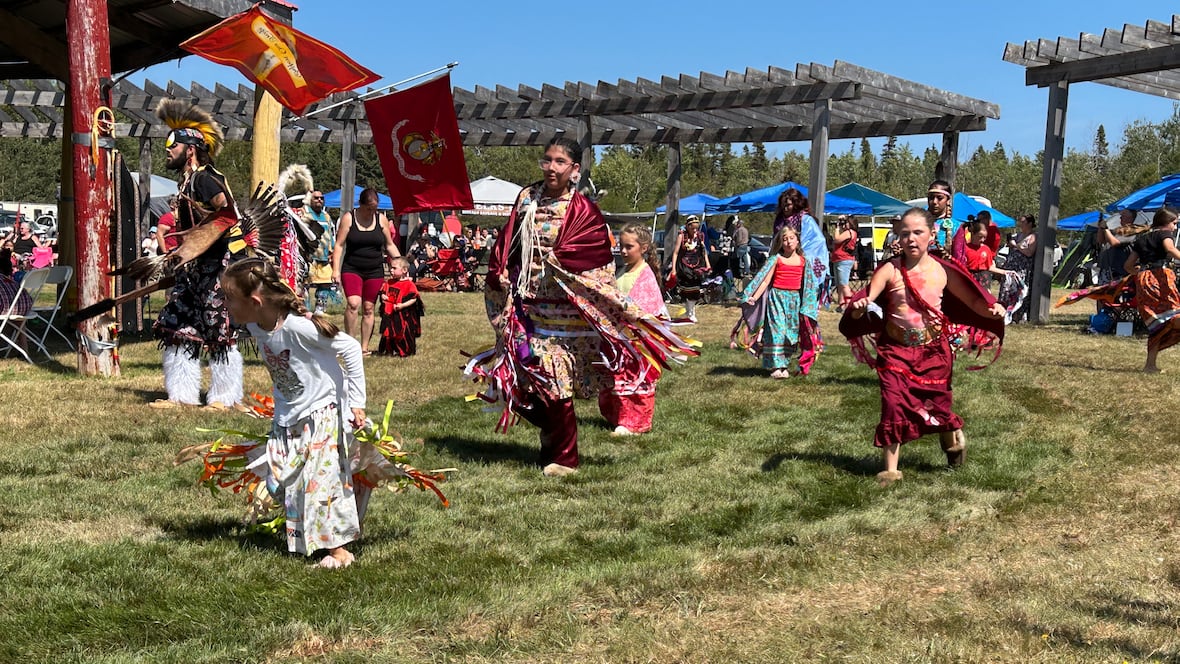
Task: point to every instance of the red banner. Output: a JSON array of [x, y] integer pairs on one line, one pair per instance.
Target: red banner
[[297, 69], [417, 138]]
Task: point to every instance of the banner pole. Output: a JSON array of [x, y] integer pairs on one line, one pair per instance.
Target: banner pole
[[370, 93]]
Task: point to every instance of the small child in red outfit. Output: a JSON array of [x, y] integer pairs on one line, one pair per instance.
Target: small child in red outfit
[[401, 312]]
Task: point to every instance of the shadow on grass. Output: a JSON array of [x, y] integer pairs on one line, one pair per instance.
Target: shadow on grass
[[143, 396], [1083, 642], [741, 372], [1133, 610], [484, 450], [210, 529], [860, 379], [864, 466]]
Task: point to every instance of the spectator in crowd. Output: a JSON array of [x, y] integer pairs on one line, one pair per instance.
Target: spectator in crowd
[[741, 247], [938, 202], [319, 273], [843, 254], [165, 226], [363, 241]]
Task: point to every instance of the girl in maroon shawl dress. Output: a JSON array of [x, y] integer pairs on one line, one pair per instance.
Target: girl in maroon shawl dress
[[921, 298], [401, 312], [630, 404], [562, 328]]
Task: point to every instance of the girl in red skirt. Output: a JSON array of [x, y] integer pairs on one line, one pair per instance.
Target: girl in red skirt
[[920, 298]]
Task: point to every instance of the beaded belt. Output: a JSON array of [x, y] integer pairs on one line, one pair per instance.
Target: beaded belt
[[912, 336]]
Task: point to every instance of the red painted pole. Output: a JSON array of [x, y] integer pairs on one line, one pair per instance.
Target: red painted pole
[[88, 35]]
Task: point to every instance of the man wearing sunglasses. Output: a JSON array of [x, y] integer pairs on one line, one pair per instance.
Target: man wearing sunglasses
[[319, 274], [195, 322]]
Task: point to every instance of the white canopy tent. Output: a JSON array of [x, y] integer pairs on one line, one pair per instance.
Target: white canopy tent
[[161, 189], [493, 197]]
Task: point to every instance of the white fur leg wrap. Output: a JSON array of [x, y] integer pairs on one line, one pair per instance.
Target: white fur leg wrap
[[226, 384], [182, 376]]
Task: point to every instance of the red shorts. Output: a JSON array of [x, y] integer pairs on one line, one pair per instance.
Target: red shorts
[[356, 286]]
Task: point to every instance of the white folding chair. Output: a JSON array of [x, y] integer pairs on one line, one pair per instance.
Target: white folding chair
[[12, 324], [59, 276]]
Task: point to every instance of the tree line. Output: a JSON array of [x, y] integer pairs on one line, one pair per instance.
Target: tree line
[[635, 176]]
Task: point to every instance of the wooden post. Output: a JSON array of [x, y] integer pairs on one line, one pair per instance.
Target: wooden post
[[949, 159], [818, 175], [347, 167], [66, 252], [268, 117], [88, 37], [585, 139], [672, 203], [145, 183], [1054, 157]]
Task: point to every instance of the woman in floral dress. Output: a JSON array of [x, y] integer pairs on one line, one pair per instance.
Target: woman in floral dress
[[562, 327]]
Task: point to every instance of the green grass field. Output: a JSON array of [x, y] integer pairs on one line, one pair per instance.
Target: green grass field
[[748, 527]]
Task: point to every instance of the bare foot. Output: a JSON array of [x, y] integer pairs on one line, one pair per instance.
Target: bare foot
[[337, 558]]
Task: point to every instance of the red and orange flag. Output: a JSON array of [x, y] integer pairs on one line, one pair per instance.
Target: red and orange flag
[[296, 68]]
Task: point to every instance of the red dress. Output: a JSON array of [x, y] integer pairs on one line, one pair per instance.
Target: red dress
[[400, 328]]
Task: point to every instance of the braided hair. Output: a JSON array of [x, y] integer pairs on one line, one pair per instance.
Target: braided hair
[[258, 275]]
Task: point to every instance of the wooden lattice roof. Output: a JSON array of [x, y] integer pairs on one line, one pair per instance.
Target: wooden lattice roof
[[1142, 58], [755, 106]]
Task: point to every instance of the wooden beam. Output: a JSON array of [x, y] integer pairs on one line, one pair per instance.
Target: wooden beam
[[917, 91], [1052, 161], [34, 44], [348, 167], [671, 203], [1106, 66], [949, 157], [817, 182], [548, 106]]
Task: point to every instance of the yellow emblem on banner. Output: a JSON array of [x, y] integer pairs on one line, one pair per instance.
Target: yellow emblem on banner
[[277, 54]]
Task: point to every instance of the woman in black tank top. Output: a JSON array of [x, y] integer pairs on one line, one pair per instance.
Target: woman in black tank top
[[363, 241]]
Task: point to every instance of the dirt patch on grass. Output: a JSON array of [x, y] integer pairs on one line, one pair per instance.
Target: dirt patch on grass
[[311, 645], [102, 531]]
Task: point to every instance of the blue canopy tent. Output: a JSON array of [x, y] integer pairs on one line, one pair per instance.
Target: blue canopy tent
[[694, 204], [1172, 199], [1151, 197], [332, 200], [1079, 221], [963, 206], [883, 204], [766, 200]]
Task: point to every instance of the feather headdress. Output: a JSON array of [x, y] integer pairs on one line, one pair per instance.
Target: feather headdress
[[295, 180], [190, 125]]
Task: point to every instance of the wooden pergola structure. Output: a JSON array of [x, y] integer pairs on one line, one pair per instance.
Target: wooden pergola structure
[[81, 45], [811, 102], [1138, 58]]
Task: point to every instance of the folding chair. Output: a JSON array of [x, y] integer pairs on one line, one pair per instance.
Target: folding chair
[[59, 276], [12, 324]]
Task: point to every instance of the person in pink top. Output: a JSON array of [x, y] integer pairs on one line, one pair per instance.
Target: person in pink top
[[920, 298], [629, 404]]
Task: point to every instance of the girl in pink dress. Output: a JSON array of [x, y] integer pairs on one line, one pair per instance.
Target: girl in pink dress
[[629, 404]]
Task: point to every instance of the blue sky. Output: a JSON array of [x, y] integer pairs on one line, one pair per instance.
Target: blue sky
[[953, 45]]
